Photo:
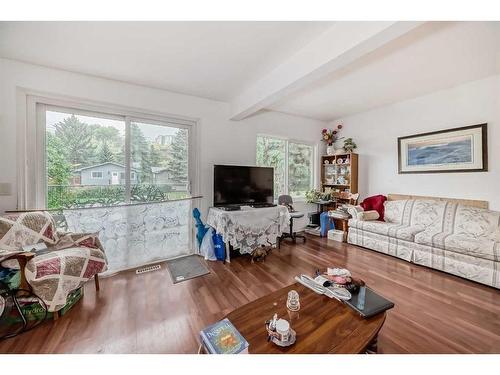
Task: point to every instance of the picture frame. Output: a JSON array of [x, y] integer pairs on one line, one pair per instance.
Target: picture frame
[[463, 149]]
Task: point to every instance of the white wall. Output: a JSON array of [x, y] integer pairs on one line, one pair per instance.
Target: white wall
[[376, 133], [220, 140]]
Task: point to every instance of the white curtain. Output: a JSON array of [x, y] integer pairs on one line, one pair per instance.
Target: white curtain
[[135, 235]]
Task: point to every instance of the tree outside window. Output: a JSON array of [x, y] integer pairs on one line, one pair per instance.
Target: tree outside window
[[292, 162], [86, 161]]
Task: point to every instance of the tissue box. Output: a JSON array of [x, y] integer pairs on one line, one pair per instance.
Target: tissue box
[[336, 235]]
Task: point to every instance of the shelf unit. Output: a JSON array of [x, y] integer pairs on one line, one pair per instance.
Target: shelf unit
[[340, 177]]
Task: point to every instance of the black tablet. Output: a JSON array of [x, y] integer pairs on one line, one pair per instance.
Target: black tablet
[[374, 304]]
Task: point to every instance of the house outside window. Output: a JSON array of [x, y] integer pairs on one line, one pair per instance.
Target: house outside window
[[90, 154]]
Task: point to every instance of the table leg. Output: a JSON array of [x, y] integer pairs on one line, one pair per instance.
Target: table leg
[[372, 348]]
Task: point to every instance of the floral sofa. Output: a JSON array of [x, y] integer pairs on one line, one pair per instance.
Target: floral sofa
[[70, 260], [457, 239]]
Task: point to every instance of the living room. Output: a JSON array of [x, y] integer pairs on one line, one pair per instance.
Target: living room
[[278, 186]]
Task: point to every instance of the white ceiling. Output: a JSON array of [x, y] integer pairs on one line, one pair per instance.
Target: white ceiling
[[435, 56], [219, 60], [209, 59]]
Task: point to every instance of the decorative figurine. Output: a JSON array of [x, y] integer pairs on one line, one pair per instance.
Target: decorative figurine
[[261, 252], [280, 332], [292, 302]]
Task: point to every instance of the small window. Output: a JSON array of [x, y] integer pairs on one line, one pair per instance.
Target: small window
[[115, 174], [293, 164], [96, 174], [122, 175]]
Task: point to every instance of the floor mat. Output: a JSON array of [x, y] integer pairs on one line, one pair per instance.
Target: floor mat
[[186, 268]]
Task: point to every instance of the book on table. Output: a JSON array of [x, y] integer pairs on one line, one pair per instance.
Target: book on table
[[223, 338]]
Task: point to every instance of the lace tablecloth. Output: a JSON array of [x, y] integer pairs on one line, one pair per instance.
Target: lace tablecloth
[[249, 227]]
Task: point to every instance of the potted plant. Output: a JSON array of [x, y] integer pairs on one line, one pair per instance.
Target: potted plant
[[330, 137], [349, 145], [315, 195]]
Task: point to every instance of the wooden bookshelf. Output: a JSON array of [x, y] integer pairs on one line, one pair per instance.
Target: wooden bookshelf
[[339, 177]]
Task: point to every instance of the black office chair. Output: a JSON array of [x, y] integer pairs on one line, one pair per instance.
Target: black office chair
[[286, 200]]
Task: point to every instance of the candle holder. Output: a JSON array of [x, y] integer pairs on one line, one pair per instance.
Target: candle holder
[[292, 302]]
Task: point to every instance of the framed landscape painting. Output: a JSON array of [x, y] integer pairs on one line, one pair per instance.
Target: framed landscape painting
[[452, 150]]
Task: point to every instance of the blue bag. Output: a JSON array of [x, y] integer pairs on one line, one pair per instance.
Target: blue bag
[[325, 224], [219, 246], [200, 227]]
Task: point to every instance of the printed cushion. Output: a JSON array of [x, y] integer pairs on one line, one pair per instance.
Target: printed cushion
[[394, 211], [476, 222], [428, 213], [368, 215], [376, 203]]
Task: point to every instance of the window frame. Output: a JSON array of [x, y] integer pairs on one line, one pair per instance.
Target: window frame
[[314, 157], [96, 178], [32, 179]]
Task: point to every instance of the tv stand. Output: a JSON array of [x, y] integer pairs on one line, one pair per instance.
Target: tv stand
[[250, 227]]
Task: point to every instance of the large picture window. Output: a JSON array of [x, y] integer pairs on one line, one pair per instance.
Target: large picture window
[[98, 159], [293, 163]]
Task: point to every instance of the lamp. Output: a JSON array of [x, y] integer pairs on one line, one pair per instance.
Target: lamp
[[5, 188]]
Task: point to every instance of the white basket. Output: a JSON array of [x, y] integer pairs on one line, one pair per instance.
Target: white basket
[[336, 235]]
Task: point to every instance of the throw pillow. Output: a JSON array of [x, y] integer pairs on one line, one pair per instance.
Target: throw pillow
[[376, 203], [368, 215]]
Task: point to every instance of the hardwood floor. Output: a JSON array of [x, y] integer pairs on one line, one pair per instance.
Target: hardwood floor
[[434, 313]]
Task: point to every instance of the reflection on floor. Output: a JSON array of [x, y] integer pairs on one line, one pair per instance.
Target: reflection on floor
[[434, 313]]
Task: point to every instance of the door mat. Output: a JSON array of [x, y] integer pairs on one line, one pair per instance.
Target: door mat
[[185, 268]]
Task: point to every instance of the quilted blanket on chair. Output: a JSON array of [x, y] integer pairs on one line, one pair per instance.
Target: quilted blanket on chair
[[72, 259]]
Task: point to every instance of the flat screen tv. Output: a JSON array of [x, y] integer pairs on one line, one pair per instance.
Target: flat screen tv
[[239, 185]]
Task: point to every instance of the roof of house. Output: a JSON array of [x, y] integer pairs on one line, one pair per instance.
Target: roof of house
[[158, 169], [101, 164]]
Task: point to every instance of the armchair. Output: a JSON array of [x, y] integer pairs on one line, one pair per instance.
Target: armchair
[[71, 259]]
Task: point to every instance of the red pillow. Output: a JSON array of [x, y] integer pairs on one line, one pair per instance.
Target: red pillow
[[376, 203]]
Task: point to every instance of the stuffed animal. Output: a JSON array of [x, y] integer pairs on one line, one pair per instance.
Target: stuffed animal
[[261, 252]]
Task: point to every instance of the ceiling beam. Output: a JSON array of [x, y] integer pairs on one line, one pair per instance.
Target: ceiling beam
[[334, 49]]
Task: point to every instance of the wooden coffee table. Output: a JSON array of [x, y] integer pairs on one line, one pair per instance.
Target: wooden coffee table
[[323, 325]]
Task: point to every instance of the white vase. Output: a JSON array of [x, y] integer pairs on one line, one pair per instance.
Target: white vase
[[330, 150]]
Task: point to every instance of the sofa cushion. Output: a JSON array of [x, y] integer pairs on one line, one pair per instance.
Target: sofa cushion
[[376, 203], [477, 247], [380, 227], [428, 213], [402, 232], [460, 243], [394, 211], [476, 222]]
